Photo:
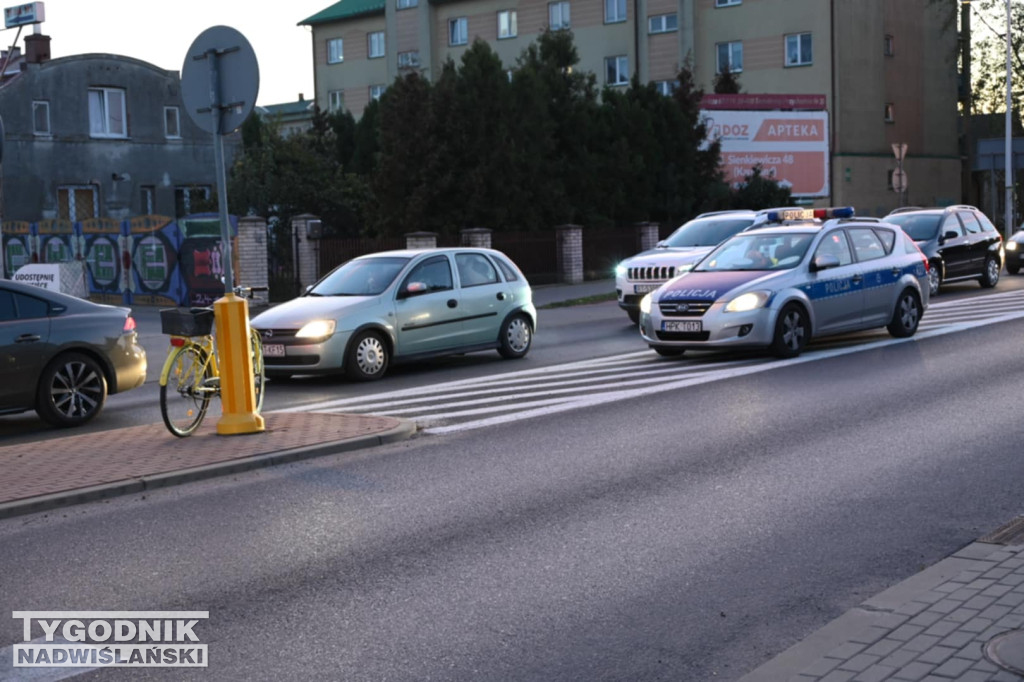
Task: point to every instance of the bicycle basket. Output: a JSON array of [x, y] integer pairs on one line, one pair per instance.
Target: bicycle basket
[[185, 322]]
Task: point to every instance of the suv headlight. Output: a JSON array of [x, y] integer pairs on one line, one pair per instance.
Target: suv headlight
[[645, 304], [317, 329], [748, 301], [620, 270]]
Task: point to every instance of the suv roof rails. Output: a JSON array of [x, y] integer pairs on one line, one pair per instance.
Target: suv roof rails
[[714, 213], [905, 209]]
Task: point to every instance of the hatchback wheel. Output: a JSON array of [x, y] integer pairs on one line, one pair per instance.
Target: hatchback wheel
[[367, 358], [990, 277], [72, 390], [934, 277], [906, 316], [792, 331], [516, 337]]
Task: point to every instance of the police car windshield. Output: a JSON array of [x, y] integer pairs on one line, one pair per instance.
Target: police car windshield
[[919, 227], [757, 252], [360, 277], [707, 231]]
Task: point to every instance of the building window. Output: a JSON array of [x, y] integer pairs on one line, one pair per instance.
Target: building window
[[727, 3], [458, 31], [189, 200], [730, 56], [376, 44], [335, 51], [798, 49], [614, 11], [172, 122], [335, 100], [406, 4], [41, 118], [666, 87], [558, 16], [507, 27], [77, 202], [890, 112], [147, 199], [409, 60], [663, 23], [890, 46], [376, 91], [107, 114], [616, 70]]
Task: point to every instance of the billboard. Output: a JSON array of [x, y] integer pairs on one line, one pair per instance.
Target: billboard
[[790, 146]]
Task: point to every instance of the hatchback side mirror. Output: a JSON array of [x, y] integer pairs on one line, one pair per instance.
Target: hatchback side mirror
[[413, 289]]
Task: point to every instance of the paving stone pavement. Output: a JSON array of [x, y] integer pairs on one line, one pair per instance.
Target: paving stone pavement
[[936, 626]]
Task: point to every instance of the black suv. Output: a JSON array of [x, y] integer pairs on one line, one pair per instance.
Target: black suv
[[960, 243]]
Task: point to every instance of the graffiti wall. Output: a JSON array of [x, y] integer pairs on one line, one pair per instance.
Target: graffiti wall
[[147, 260]]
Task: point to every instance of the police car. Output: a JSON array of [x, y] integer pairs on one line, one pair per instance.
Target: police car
[[778, 286], [643, 273]]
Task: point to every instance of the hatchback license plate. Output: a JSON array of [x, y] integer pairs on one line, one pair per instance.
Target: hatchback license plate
[[273, 350], [644, 288], [681, 326]]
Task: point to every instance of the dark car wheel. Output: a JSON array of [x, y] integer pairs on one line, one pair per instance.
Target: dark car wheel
[[934, 277], [516, 337], [792, 331], [906, 316], [367, 358], [668, 351], [72, 390], [990, 276]]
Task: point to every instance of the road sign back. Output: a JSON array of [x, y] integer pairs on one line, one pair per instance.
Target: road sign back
[[220, 72]]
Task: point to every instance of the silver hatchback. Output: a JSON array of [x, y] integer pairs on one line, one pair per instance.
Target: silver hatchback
[[777, 287]]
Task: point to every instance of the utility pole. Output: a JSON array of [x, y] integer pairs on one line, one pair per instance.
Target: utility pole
[[1009, 129], [966, 95]]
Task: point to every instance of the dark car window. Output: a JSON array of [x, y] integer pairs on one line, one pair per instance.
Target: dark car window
[[30, 307], [835, 244], [435, 273], [360, 277], [888, 238], [475, 269], [986, 224], [707, 231], [866, 244], [952, 225], [919, 227], [7, 310], [506, 269], [970, 222]]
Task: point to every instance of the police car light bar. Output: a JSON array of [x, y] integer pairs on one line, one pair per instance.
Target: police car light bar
[[810, 213]]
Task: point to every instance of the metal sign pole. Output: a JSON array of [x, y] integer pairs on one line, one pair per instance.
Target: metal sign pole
[[218, 160]]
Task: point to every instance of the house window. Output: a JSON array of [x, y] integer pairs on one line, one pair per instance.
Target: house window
[[376, 44], [376, 91], [730, 56], [617, 70], [558, 16], [107, 115], [663, 23], [727, 3], [405, 4], [409, 60], [458, 31], [507, 24], [335, 51], [798, 49], [666, 87], [41, 118], [172, 124], [146, 199], [77, 202], [189, 200], [614, 11], [335, 100], [890, 46], [890, 112]]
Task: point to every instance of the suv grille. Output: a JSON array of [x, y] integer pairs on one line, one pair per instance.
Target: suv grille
[[684, 308], [651, 273]]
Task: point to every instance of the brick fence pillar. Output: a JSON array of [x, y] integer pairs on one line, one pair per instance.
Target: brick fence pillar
[[569, 241], [647, 235], [420, 240], [252, 256], [479, 237], [306, 256]]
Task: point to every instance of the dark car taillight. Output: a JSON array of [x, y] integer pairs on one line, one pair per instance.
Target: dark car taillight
[[129, 325]]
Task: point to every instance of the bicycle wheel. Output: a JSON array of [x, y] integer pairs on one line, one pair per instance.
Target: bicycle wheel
[[183, 401], [258, 370]]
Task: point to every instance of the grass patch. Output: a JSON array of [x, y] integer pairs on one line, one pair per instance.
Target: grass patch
[[600, 298]]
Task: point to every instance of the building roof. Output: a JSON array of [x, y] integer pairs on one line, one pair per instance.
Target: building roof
[[303, 107], [345, 9]]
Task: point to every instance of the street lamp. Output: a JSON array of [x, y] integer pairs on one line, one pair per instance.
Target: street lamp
[[1008, 153]]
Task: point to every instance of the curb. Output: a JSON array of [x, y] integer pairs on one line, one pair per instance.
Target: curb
[[406, 429]]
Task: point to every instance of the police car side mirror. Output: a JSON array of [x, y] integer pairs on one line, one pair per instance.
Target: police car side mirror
[[824, 262]]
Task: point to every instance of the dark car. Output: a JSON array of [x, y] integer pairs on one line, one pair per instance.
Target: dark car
[[960, 242], [1014, 245], [61, 356]]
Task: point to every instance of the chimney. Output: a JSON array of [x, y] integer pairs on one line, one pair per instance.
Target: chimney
[[37, 48], [301, 98]]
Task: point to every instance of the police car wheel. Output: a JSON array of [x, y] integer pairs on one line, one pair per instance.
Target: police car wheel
[[668, 351], [791, 332], [907, 315], [991, 274]]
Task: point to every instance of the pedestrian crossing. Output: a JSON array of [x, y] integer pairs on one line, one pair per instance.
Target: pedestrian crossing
[[512, 396]]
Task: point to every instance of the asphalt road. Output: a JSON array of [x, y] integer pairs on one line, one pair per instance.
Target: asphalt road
[[688, 536]]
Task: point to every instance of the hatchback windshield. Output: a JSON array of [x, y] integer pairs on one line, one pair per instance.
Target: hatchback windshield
[[361, 277], [757, 252], [707, 231], [918, 227]]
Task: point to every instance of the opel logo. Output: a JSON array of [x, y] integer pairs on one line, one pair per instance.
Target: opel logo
[[268, 333]]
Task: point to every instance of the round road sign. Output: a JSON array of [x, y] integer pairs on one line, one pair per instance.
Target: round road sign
[[223, 56]]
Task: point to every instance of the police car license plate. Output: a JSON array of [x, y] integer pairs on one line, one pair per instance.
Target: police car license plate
[[273, 350], [681, 326], [644, 288]]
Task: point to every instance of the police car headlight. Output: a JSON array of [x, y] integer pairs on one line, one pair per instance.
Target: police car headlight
[[645, 304], [620, 270], [747, 301], [1011, 246]]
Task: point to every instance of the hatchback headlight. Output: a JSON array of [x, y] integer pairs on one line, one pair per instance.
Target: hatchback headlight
[[748, 301], [317, 329], [645, 304]]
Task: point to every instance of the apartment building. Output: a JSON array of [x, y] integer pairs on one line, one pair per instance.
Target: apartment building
[[876, 72]]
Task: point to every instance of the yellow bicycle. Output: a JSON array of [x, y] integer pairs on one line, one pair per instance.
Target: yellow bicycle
[[190, 376]]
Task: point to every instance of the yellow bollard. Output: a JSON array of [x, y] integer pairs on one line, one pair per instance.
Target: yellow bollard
[[237, 391]]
